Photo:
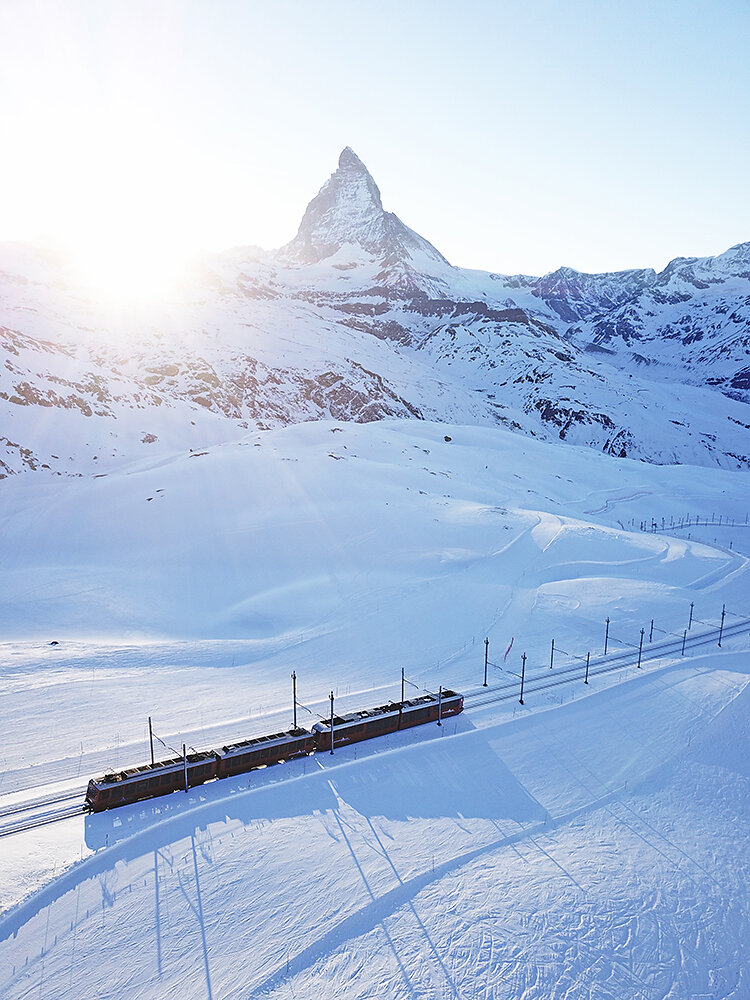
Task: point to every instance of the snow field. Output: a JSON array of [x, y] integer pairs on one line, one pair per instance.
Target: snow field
[[593, 849], [589, 851], [269, 555]]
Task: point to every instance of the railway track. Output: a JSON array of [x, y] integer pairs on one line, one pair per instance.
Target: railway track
[[48, 800], [29, 818], [544, 678]]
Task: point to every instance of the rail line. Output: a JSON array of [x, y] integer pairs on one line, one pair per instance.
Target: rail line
[[540, 681], [48, 800], [20, 826], [536, 681]]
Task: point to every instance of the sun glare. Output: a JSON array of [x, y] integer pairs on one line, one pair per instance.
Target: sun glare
[[124, 268], [124, 200]]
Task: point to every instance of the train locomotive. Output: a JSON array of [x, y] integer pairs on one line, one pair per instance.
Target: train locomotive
[[162, 777]]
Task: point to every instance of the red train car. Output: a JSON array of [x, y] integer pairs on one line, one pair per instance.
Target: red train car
[[136, 783], [358, 726], [262, 751], [122, 787]]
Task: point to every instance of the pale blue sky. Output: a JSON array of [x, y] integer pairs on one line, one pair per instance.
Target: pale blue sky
[[515, 136]]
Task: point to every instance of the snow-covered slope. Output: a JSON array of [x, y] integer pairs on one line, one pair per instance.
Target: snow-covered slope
[[359, 318], [592, 848], [262, 537]]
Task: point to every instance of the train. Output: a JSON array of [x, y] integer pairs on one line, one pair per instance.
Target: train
[[119, 788]]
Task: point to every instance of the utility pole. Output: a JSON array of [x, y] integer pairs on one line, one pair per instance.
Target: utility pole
[[151, 740], [184, 764], [401, 706], [690, 622], [523, 675], [586, 678], [640, 648], [440, 705], [552, 654], [486, 654], [331, 722], [606, 638], [721, 629]]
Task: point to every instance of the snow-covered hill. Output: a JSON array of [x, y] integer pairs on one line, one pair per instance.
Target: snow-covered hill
[[359, 318], [592, 848]]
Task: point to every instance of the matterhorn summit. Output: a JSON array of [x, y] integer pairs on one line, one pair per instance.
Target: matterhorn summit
[[347, 213]]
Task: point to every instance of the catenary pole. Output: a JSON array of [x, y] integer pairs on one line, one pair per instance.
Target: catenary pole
[[640, 648], [586, 678], [721, 629], [331, 721], [401, 706], [184, 764], [294, 696], [151, 739], [440, 705], [606, 638], [486, 655], [552, 654]]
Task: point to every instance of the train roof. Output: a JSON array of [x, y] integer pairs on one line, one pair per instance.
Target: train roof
[[392, 708], [161, 766], [234, 749]]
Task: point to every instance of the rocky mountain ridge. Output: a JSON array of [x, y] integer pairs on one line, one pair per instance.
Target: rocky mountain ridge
[[358, 318]]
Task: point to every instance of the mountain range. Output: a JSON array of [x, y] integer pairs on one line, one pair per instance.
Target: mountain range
[[358, 318]]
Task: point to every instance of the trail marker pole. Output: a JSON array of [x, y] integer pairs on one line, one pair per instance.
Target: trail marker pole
[[552, 654], [684, 637], [151, 739], [586, 678], [486, 654], [440, 705], [184, 764], [294, 696], [640, 648], [721, 629], [606, 638], [331, 722], [651, 633], [690, 622], [523, 675]]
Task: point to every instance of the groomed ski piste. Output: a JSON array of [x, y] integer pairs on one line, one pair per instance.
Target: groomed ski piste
[[590, 843]]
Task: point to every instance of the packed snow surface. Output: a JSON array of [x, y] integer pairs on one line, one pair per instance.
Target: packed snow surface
[[576, 846]]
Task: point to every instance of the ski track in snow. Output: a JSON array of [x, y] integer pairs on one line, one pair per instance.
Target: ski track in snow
[[620, 498]]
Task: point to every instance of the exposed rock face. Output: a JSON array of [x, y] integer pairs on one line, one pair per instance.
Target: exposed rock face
[[691, 323]]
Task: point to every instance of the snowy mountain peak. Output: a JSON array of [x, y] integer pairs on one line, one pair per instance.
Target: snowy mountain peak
[[348, 159], [348, 212]]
